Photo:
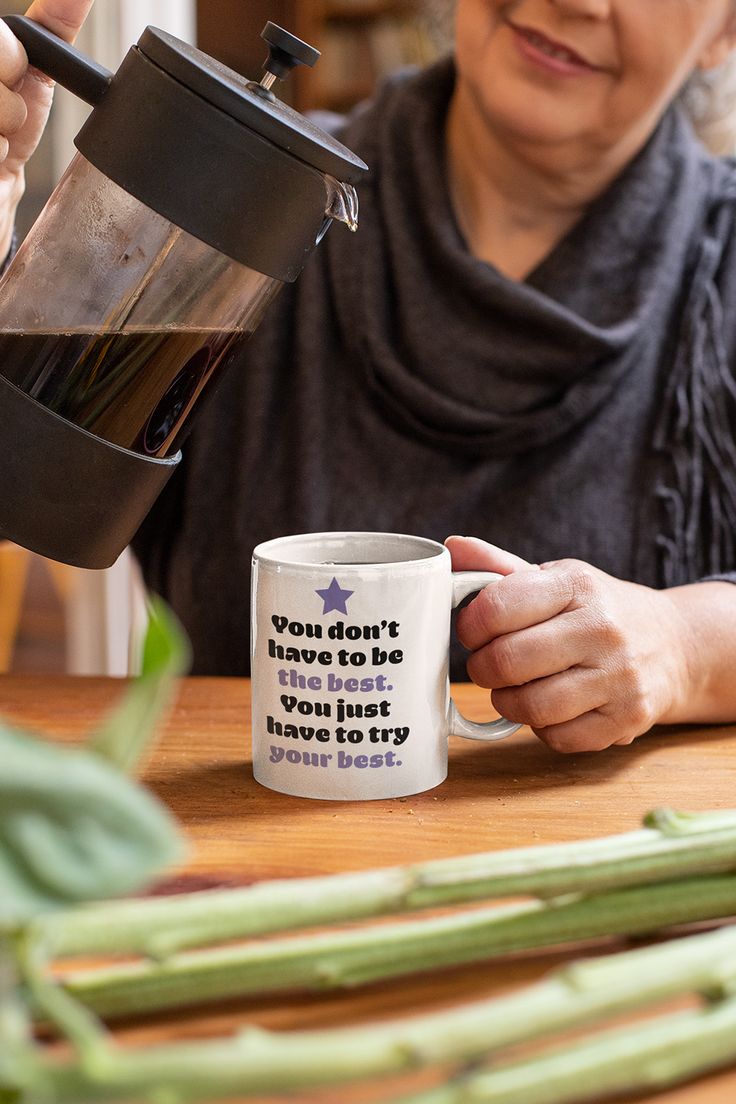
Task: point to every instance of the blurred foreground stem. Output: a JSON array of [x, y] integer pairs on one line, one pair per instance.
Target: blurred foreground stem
[[258, 1061], [651, 1056], [371, 953], [673, 845]]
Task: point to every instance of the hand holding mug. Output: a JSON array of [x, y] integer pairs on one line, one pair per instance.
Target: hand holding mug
[[584, 659]]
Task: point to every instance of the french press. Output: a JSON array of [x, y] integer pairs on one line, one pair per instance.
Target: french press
[[195, 196]]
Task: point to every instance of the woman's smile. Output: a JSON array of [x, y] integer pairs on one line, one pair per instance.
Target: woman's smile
[[583, 80], [548, 54]]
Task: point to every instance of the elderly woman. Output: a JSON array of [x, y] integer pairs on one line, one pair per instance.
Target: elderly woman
[[529, 340]]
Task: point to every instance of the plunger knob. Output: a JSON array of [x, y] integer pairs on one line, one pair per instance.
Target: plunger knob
[[285, 52]]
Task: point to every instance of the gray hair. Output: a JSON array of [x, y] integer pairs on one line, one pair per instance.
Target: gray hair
[[709, 98], [438, 19]]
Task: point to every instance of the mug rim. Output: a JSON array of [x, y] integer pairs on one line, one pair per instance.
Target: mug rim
[[264, 555]]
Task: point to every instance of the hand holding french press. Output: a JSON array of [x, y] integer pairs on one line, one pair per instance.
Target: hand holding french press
[[25, 100]]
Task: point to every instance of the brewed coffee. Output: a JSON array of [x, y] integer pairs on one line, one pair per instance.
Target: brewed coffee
[[133, 389]]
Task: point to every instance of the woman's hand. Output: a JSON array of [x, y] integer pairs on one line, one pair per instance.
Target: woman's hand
[[585, 659], [25, 99]]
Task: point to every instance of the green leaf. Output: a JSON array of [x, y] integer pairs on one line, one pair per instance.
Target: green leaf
[[126, 733], [72, 828]]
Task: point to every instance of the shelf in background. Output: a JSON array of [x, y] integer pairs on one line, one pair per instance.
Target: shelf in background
[[361, 41], [365, 10]]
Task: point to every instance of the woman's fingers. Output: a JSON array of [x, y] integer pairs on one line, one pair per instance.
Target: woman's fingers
[[517, 602], [532, 653], [589, 732], [13, 60], [13, 67], [13, 111], [553, 701]]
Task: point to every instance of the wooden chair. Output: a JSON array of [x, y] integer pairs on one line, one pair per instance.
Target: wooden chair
[[14, 562]]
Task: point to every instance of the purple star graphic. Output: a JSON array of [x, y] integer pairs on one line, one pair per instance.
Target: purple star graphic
[[334, 597]]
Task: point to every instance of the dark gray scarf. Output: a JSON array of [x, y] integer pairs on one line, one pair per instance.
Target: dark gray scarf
[[633, 297]]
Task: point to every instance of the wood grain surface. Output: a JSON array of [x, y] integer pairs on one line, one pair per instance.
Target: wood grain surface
[[505, 795]]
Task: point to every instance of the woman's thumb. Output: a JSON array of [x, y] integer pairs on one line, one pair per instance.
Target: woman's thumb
[[63, 17], [474, 554]]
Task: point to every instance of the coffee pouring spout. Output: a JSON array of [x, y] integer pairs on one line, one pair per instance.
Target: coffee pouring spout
[[286, 52], [342, 203]]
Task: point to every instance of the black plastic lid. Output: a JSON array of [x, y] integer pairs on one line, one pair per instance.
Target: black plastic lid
[[251, 105]]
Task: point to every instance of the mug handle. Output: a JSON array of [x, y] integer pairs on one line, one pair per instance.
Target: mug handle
[[463, 584]]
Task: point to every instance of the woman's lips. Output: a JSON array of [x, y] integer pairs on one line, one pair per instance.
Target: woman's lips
[[548, 54]]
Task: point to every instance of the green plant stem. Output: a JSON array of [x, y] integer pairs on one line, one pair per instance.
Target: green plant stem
[[75, 1022], [371, 953], [674, 846], [649, 1057], [258, 1061], [125, 735], [17, 1049]]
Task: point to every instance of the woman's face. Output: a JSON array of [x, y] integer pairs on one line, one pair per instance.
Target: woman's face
[[595, 72]]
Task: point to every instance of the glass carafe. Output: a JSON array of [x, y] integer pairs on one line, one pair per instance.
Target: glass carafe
[[117, 319]]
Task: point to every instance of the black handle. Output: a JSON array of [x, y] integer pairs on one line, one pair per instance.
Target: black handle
[[60, 61], [286, 51]]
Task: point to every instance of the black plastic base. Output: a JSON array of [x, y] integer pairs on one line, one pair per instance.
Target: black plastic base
[[66, 494]]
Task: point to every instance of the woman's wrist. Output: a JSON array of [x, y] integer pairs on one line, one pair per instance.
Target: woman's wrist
[[704, 648]]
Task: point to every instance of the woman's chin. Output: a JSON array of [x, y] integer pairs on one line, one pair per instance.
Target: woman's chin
[[539, 128], [528, 114]]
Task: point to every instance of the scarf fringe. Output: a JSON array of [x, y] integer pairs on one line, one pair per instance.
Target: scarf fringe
[[695, 431]]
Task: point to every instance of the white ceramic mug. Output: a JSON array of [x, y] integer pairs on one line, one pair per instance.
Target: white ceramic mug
[[350, 638]]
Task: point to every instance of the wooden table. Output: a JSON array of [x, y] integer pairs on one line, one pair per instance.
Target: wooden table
[[512, 794]]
